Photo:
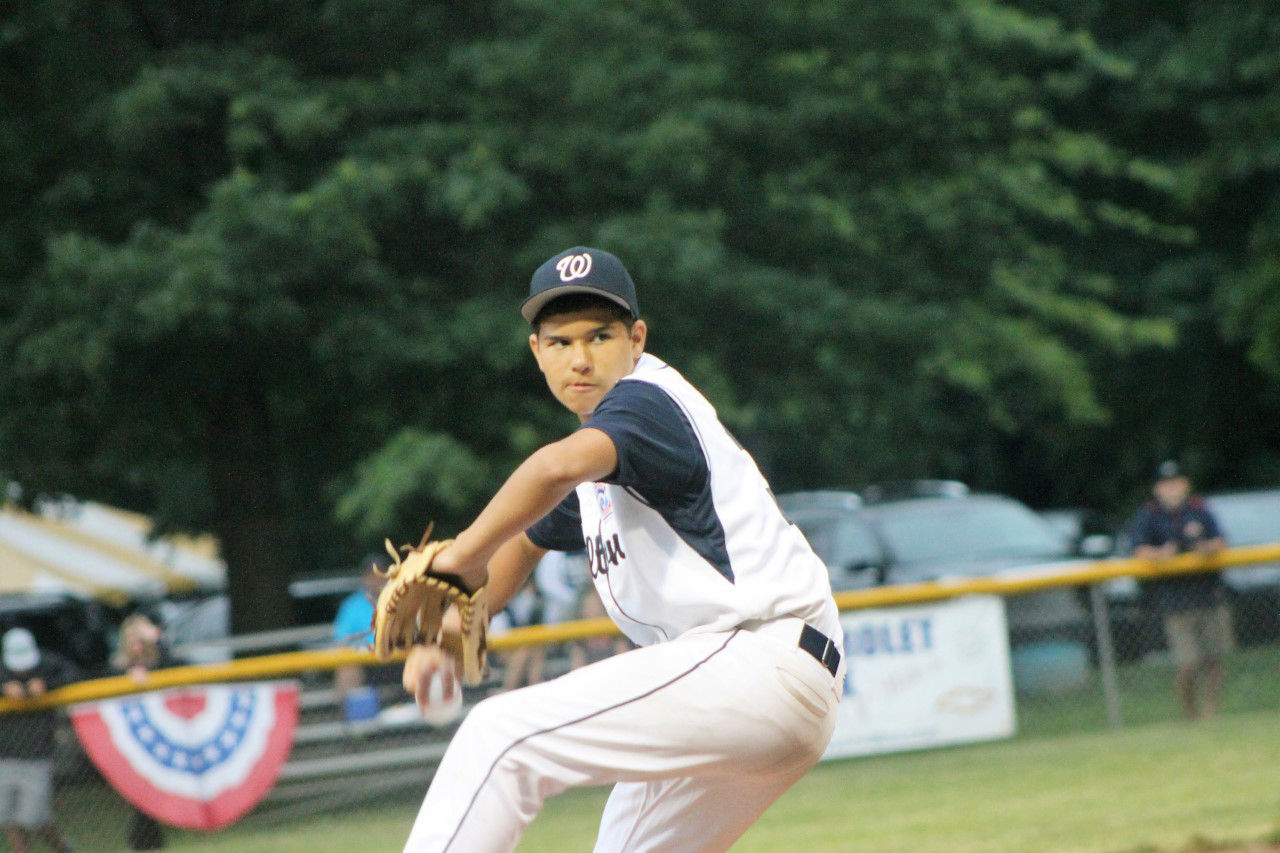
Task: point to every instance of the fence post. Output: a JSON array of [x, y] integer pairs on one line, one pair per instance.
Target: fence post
[[1106, 655]]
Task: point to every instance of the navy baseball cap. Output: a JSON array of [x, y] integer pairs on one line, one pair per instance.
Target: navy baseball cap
[[580, 270], [1168, 470]]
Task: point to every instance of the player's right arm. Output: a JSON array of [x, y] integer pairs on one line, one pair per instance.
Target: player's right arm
[[509, 569], [495, 551], [540, 483]]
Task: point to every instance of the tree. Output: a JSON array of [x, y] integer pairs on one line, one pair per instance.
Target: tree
[[229, 318], [1201, 102], [277, 292]]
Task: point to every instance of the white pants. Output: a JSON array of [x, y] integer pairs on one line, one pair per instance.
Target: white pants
[[698, 736]]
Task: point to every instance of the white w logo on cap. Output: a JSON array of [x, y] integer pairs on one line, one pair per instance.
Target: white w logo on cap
[[574, 266]]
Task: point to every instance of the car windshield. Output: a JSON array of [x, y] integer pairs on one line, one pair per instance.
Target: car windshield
[[841, 540], [968, 530], [1248, 518]]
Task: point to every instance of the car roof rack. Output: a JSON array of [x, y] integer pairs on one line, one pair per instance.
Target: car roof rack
[[900, 490]]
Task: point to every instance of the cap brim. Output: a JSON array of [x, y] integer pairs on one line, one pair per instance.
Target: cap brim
[[531, 306]]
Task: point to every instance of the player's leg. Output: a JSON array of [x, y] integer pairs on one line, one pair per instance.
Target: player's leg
[[703, 813], [726, 705]]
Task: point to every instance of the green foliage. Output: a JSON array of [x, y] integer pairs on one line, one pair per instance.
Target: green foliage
[[413, 470], [276, 249]]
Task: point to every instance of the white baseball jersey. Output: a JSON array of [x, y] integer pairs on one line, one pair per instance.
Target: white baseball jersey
[[685, 536]]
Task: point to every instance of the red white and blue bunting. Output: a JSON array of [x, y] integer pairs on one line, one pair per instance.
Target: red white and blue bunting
[[194, 757]]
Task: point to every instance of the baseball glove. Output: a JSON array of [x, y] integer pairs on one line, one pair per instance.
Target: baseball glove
[[412, 605]]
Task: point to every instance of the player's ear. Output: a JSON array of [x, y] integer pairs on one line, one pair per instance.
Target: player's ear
[[639, 334], [537, 353]]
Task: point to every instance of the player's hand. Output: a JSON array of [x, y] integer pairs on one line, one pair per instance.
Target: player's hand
[[456, 560], [14, 690], [36, 687], [1209, 546], [423, 665]]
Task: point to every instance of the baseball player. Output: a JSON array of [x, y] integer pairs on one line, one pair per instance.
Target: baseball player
[[731, 693]]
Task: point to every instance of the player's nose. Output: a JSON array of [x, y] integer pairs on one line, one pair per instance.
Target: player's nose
[[581, 359]]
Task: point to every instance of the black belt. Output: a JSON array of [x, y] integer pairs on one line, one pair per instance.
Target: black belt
[[823, 650]]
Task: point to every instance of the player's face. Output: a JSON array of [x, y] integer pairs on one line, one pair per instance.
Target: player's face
[[583, 354]]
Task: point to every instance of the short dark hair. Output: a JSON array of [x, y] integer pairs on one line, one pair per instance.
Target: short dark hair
[[581, 302]]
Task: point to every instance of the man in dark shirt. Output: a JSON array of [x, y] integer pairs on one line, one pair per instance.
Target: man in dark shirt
[[27, 742], [1196, 621]]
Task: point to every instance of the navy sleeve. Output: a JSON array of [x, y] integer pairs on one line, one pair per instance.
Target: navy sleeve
[[658, 452], [1140, 533], [1211, 528], [560, 529]]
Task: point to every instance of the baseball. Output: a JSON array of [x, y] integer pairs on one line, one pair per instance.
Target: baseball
[[439, 711]]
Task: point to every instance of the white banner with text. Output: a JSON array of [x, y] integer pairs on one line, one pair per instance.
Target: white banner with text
[[925, 676]]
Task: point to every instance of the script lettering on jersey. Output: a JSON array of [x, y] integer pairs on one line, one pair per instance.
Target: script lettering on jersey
[[603, 553]]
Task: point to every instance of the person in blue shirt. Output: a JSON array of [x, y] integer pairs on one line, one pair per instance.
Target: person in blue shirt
[[1192, 607], [352, 626]]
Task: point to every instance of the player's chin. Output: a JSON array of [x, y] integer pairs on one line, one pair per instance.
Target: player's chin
[[580, 403]]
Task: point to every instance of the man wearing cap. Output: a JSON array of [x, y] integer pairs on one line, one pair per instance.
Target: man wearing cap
[[729, 697], [1196, 621], [27, 742]]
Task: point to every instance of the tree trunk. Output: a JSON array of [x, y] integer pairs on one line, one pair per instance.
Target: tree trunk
[[251, 520]]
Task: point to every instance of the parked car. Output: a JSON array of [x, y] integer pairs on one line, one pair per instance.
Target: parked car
[[1251, 518], [1086, 530], [932, 530], [81, 630]]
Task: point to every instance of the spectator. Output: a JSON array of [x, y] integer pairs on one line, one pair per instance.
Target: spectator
[[560, 578], [1197, 624], [27, 742], [353, 625], [139, 652], [523, 664]]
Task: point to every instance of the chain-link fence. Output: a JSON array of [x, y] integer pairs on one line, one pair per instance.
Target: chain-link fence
[[1092, 653], [1144, 654]]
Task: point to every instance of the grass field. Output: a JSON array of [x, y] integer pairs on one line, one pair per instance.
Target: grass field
[[1170, 786]]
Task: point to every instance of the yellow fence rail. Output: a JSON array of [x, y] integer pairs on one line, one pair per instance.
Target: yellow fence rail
[[292, 663]]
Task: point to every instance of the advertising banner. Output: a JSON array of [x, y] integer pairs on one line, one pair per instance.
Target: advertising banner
[[925, 676]]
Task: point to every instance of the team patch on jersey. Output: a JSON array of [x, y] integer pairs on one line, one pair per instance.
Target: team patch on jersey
[[603, 501]]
